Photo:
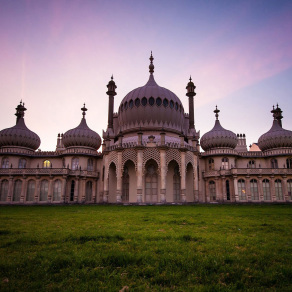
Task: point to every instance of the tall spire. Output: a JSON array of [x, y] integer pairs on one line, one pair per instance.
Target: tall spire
[[151, 66], [191, 93], [277, 114], [216, 111]]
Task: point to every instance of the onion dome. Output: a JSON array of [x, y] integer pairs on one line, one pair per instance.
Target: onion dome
[[19, 135], [218, 137], [82, 136], [276, 137], [151, 107]]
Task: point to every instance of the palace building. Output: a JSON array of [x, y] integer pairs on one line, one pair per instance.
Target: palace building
[[151, 154]]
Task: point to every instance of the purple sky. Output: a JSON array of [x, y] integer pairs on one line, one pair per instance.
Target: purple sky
[[56, 55]]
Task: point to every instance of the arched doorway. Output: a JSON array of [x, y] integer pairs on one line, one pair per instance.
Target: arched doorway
[[190, 183], [112, 184], [151, 182]]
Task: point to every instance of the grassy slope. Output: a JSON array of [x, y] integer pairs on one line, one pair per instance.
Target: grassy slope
[[149, 248]]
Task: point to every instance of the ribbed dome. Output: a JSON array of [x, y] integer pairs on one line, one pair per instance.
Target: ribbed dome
[[218, 137], [151, 106], [82, 136], [276, 137], [19, 135]]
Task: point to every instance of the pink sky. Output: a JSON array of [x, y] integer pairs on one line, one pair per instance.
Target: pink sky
[[56, 55]]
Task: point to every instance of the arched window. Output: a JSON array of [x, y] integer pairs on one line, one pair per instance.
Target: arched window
[[151, 186], [88, 191], [17, 190], [289, 189], [75, 163], [225, 164], [57, 190], [4, 190], [126, 185], [22, 163], [254, 189], [90, 164], [251, 164], [30, 191], [176, 185], [274, 163], [47, 164], [72, 190], [212, 191], [241, 189], [278, 189], [289, 162], [211, 164], [44, 190], [266, 190], [5, 162]]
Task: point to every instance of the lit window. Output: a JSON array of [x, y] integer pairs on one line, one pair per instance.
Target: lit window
[[241, 189], [47, 164]]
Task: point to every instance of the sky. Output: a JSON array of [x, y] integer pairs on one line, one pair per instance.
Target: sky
[[57, 55]]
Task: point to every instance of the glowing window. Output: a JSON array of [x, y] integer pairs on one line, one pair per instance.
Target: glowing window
[[47, 164]]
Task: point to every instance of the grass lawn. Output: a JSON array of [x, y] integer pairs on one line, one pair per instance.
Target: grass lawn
[[146, 248]]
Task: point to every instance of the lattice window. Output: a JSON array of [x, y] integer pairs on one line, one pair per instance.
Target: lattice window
[[173, 154], [151, 153], [129, 154], [113, 157]]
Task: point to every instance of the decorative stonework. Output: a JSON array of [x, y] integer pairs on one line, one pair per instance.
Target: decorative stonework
[[129, 154], [173, 154], [151, 153], [190, 159]]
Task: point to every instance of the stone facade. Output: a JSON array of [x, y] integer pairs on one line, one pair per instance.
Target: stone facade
[[151, 154]]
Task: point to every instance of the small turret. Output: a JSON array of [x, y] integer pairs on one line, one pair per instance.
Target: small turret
[[111, 92], [191, 93]]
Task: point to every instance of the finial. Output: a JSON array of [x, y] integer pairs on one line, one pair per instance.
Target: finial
[[151, 66], [112, 78], [216, 111], [190, 78], [84, 109], [277, 105]]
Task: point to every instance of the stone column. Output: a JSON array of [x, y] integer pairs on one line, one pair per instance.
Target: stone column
[[63, 192], [285, 189], [37, 190], [139, 175], [273, 189], [163, 169], [105, 180], [196, 180], [260, 189], [235, 189], [183, 177], [23, 190], [224, 195], [10, 190], [50, 190], [119, 178], [76, 190]]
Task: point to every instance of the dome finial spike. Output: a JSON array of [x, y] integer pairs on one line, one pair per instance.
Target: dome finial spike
[[151, 66], [112, 78], [216, 111], [190, 78], [84, 109]]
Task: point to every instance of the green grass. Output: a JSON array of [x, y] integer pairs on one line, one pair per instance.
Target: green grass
[[146, 248]]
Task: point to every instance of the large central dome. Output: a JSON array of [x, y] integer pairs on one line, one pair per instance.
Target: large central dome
[[151, 107]]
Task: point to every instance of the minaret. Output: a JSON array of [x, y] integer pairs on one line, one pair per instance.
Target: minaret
[[151, 66], [191, 93], [277, 114], [111, 93], [20, 109]]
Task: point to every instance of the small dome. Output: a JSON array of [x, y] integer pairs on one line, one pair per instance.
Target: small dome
[[276, 137], [82, 136], [218, 137], [19, 135], [151, 106]]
